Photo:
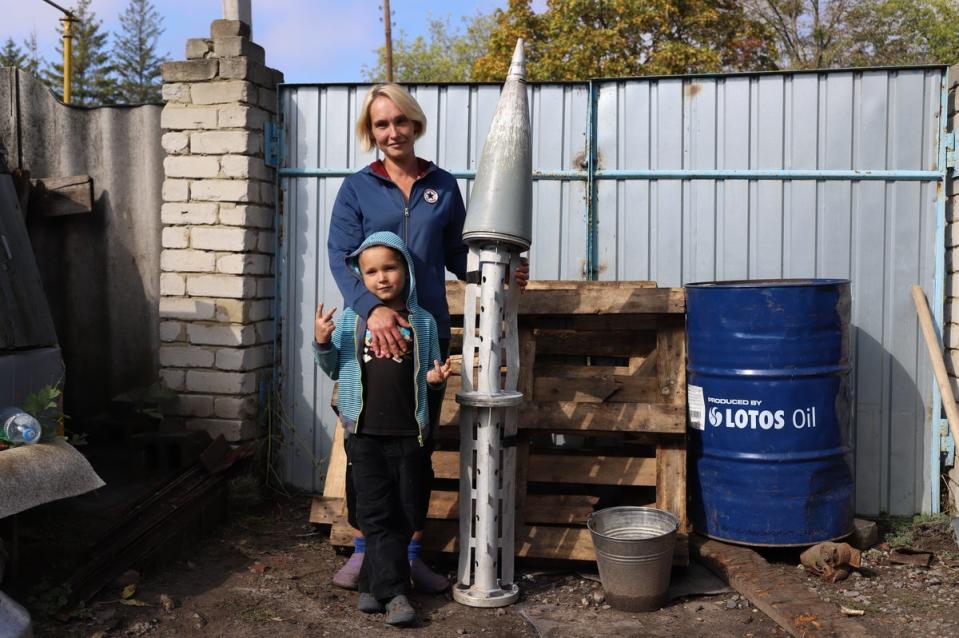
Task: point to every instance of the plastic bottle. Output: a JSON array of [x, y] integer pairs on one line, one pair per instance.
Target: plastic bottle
[[18, 427]]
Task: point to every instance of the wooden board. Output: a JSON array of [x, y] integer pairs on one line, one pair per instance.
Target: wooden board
[[585, 298], [595, 417]]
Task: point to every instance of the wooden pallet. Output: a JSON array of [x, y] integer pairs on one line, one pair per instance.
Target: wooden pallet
[[603, 367]]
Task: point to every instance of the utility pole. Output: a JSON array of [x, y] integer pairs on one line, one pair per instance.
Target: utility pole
[[387, 22], [68, 19]]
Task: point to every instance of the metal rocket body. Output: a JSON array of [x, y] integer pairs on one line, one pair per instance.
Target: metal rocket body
[[500, 205]]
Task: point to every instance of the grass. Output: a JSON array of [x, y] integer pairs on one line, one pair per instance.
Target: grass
[[902, 530]]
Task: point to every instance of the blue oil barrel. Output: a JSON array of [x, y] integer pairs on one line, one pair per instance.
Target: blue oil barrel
[[770, 456]]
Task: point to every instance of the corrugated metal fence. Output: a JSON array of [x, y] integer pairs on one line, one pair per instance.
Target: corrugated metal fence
[[833, 174]]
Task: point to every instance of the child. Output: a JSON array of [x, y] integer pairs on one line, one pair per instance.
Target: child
[[382, 404]]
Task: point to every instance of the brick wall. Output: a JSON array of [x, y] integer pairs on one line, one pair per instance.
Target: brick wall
[[216, 282]]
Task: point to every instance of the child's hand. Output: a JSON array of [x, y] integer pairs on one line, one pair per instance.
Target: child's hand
[[323, 327], [440, 373]]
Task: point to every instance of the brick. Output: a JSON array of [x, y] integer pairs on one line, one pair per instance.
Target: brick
[[266, 99], [225, 238], [235, 407], [188, 213], [189, 71], [183, 308], [267, 193], [192, 166], [243, 310], [242, 215], [200, 405], [175, 143], [241, 116], [176, 92], [183, 356], [265, 287], [245, 166], [228, 286], [243, 264], [172, 285], [175, 237], [197, 48], [224, 92], [219, 382], [231, 429], [187, 261], [221, 335], [262, 309], [952, 235], [242, 68], [178, 116], [951, 336], [266, 243], [223, 142], [221, 28], [231, 46], [176, 190], [224, 190], [264, 331], [173, 379], [171, 330], [244, 358]]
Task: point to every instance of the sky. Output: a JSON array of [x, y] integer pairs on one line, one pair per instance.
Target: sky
[[309, 40]]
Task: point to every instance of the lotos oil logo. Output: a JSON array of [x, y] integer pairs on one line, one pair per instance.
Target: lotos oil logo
[[754, 417], [715, 417]]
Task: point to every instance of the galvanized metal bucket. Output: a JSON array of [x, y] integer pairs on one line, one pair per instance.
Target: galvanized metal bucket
[[634, 552]]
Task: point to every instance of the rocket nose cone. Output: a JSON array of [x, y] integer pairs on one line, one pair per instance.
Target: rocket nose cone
[[517, 67]]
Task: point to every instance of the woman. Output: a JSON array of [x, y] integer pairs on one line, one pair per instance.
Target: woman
[[421, 203]]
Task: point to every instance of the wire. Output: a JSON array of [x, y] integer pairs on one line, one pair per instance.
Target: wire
[[68, 13]]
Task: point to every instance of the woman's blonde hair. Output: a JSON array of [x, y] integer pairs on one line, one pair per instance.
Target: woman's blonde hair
[[403, 101]]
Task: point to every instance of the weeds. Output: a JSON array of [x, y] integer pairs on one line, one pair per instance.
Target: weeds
[[903, 530]]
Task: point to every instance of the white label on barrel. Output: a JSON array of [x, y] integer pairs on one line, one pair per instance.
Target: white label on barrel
[[697, 406]]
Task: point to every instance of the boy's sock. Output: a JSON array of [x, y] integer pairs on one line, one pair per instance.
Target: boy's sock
[[424, 579], [349, 575]]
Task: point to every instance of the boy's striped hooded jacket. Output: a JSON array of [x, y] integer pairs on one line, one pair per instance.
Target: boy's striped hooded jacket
[[340, 359]]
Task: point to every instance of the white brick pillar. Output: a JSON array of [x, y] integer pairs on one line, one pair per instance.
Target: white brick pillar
[[217, 279]]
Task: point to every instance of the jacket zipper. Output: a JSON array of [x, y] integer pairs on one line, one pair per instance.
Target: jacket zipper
[[356, 350], [406, 225], [416, 383]]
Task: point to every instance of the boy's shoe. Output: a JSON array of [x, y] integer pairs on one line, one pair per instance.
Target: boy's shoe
[[369, 605], [399, 612], [425, 579], [349, 575]]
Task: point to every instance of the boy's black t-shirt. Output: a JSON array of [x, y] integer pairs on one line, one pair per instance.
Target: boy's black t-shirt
[[389, 392]]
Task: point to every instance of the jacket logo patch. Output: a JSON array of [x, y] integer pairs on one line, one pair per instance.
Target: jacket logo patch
[[431, 196]]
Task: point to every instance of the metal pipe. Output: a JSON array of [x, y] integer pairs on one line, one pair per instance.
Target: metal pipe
[[67, 55]]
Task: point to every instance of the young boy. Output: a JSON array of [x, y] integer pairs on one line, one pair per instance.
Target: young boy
[[383, 406]]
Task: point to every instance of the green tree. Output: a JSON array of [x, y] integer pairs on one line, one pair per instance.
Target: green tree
[[580, 39], [137, 64], [11, 55], [33, 61], [92, 82], [446, 55]]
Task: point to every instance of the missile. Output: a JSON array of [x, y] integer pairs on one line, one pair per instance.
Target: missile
[[500, 204]]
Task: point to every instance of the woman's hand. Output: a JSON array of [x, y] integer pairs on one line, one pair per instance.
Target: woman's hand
[[323, 325], [440, 373], [387, 340], [521, 274]]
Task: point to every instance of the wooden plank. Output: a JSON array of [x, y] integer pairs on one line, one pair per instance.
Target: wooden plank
[[59, 196], [777, 593], [326, 509], [567, 469], [671, 364], [595, 343], [553, 509], [335, 484], [671, 479], [597, 388], [594, 417], [585, 298]]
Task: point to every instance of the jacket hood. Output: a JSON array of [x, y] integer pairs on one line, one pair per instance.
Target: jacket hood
[[390, 240]]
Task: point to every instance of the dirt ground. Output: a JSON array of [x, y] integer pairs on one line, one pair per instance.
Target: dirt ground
[[267, 572]]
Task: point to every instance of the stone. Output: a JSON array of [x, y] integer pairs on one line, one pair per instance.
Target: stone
[[225, 142], [223, 238], [176, 190], [175, 143], [247, 264], [224, 190], [244, 215], [219, 382], [243, 358], [184, 308], [179, 116], [175, 237], [242, 116], [171, 330], [184, 356], [222, 28], [192, 166], [228, 286], [864, 535], [172, 284], [189, 71], [231, 429], [224, 92], [220, 335], [176, 92], [187, 261], [188, 213], [197, 48], [230, 46]]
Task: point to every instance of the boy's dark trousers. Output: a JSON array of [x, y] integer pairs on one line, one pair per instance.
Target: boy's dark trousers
[[388, 474]]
